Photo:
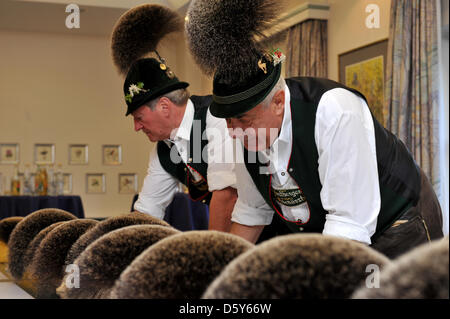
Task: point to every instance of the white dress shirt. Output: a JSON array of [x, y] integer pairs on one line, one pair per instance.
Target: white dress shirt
[[345, 139], [160, 187]]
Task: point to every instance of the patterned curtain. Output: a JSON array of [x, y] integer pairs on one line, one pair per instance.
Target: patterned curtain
[[412, 87], [306, 52]]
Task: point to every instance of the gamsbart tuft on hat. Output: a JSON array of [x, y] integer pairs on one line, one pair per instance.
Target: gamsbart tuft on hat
[[146, 80], [135, 36], [222, 38]]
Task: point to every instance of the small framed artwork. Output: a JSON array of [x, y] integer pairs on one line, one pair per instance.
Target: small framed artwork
[[78, 154], [95, 183], [67, 183], [128, 183], [44, 154], [9, 153], [112, 154]]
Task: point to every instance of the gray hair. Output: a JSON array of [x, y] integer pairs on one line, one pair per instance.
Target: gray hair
[[178, 97], [281, 84]]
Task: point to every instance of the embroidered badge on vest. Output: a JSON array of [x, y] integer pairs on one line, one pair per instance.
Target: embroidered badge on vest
[[196, 183], [201, 185], [289, 197]]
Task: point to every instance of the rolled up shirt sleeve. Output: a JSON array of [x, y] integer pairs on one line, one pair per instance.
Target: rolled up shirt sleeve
[[158, 189], [348, 169], [248, 215], [220, 153], [343, 227]]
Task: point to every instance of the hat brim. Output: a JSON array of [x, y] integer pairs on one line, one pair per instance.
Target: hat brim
[[148, 96], [221, 110]]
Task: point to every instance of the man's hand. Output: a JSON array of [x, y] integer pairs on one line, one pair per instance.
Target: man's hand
[[220, 209]]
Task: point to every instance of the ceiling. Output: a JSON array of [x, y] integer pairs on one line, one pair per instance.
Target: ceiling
[[97, 17]]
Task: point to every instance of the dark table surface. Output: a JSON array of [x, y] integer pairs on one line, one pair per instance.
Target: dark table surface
[[24, 205], [185, 214]]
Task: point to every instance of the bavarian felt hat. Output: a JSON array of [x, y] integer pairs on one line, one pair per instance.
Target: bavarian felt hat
[[232, 99], [146, 80]]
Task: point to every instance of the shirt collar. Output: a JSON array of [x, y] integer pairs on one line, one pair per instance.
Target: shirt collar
[[183, 132]]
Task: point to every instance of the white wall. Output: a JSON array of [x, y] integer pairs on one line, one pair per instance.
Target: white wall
[[64, 90]]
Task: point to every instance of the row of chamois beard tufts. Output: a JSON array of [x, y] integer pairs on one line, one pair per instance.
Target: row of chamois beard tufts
[[137, 256]]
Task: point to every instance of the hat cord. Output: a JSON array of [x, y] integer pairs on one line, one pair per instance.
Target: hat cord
[[162, 60]]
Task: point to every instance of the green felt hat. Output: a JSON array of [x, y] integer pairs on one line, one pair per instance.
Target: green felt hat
[[232, 98], [146, 80]]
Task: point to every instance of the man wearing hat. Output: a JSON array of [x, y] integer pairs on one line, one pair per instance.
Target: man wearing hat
[[191, 143], [315, 159]]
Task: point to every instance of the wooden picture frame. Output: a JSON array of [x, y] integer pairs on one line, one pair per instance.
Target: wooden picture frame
[[9, 153], [364, 69], [78, 154], [95, 183], [44, 154]]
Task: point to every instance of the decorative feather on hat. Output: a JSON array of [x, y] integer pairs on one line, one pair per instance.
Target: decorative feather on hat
[[222, 34], [222, 37], [138, 32]]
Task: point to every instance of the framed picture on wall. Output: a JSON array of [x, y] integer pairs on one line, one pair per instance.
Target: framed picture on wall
[[112, 154], [128, 183], [67, 183], [364, 69], [44, 154], [95, 183], [78, 154], [9, 153]]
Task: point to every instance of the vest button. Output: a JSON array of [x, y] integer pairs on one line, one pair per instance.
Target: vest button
[[301, 229], [203, 201], [291, 169], [185, 169], [283, 173]]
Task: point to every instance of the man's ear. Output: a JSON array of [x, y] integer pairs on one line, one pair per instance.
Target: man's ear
[[277, 103], [164, 105]]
